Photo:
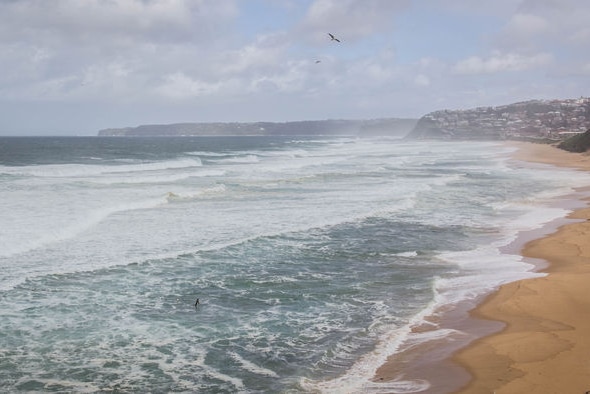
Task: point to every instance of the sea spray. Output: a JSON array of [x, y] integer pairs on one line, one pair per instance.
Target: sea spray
[[312, 258]]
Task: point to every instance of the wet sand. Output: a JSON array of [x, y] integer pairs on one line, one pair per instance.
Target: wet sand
[[532, 336], [545, 345]]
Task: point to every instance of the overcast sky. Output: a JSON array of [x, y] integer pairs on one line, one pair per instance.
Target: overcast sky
[[72, 67]]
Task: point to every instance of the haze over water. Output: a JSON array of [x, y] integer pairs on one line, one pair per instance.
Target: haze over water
[[311, 257]]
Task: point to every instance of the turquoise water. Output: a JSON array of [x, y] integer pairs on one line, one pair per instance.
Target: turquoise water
[[311, 257]]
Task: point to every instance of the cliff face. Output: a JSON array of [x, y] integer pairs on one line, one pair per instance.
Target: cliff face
[[555, 119], [388, 126]]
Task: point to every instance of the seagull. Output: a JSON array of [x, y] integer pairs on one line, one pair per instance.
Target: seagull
[[332, 38]]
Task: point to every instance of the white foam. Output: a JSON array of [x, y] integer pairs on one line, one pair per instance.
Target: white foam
[[407, 254], [236, 382], [398, 386], [240, 159], [134, 179], [84, 223], [359, 378], [329, 187], [187, 196], [483, 269], [51, 384], [80, 170], [251, 367], [448, 291]]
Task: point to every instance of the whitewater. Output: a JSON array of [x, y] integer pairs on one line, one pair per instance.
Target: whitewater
[[312, 257]]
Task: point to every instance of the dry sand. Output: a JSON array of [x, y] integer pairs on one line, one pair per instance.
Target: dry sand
[[545, 345], [534, 335]]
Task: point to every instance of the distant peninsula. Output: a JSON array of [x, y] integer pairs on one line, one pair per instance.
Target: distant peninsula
[[397, 127], [551, 120], [536, 120]]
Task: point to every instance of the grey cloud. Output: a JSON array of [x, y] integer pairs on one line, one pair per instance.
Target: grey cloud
[[542, 23], [132, 61], [96, 21], [352, 19], [496, 7], [545, 35], [70, 49]]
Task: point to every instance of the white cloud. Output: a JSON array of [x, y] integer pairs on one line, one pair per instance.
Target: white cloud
[[115, 49], [22, 62], [351, 19], [292, 78], [546, 23], [371, 71], [180, 86], [422, 80], [496, 7], [177, 55], [527, 24], [501, 62], [580, 37], [93, 21], [266, 52]]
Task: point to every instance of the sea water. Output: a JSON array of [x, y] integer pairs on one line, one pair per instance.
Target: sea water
[[311, 257]]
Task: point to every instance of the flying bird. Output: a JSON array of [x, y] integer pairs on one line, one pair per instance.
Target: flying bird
[[332, 38]]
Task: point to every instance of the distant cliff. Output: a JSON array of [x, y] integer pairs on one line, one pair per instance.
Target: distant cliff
[[537, 119], [373, 127]]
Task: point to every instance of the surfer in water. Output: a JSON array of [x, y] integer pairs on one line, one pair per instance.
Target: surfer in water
[[197, 303]]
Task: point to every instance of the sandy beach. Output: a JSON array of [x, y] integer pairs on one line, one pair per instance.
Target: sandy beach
[[545, 345], [533, 334]]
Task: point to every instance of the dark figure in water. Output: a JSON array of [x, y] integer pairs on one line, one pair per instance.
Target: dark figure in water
[[197, 303]]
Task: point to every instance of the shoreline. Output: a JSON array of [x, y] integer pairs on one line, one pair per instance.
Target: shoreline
[[544, 345], [469, 364]]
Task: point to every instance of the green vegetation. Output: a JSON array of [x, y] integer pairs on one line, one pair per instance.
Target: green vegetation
[[370, 127], [578, 143]]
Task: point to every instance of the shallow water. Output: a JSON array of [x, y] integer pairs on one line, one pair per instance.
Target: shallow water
[[311, 257]]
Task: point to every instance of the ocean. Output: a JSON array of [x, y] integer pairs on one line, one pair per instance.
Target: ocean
[[312, 257]]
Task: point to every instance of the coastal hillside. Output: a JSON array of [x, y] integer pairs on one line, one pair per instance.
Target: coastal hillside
[[536, 119], [373, 127], [578, 143], [547, 120]]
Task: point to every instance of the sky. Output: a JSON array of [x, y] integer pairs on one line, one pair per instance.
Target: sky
[[73, 67]]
